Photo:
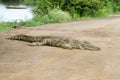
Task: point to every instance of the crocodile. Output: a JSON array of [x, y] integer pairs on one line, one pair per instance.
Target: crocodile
[[56, 41]]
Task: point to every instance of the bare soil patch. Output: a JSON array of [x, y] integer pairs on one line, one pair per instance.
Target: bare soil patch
[[18, 61]]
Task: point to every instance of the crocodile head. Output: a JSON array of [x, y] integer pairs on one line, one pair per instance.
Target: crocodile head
[[88, 46]]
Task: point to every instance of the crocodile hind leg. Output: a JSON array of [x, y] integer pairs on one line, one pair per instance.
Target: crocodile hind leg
[[36, 44], [66, 46]]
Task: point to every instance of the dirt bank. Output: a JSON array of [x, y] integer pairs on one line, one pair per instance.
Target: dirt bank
[[18, 61]]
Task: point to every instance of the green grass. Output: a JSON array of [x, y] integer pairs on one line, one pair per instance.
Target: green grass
[[32, 23], [6, 25]]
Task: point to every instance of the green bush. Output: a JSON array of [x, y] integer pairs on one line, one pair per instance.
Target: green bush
[[77, 8], [116, 5], [106, 10], [83, 7], [42, 7], [113, 5], [55, 15]]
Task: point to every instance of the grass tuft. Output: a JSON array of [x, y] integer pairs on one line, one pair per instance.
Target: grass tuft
[[6, 25]]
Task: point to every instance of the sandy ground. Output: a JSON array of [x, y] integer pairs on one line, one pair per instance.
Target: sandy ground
[[18, 61]]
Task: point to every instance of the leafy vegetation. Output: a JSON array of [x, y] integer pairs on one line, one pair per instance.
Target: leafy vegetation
[[116, 5], [51, 11], [77, 8], [56, 15]]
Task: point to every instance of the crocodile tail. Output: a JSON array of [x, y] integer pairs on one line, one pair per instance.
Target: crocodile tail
[[16, 37], [26, 38], [21, 37]]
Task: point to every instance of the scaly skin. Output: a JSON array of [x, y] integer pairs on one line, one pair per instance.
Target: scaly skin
[[56, 41]]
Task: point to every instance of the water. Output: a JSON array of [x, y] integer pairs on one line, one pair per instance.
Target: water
[[10, 15]]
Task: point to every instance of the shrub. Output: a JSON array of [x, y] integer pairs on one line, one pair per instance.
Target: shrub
[[55, 15], [77, 8], [106, 10], [116, 5], [42, 7], [83, 7], [112, 5]]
